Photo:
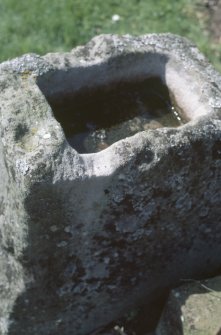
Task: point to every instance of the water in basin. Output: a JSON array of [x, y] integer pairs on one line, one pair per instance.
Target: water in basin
[[93, 119]]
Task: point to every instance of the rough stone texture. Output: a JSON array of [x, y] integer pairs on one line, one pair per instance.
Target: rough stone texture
[[193, 309], [84, 238]]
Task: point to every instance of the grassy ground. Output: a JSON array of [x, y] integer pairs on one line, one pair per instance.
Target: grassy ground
[[41, 26]]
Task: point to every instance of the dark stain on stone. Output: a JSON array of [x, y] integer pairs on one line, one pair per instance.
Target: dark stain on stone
[[199, 150], [111, 227], [59, 271], [20, 131], [10, 248], [144, 157], [2, 206], [216, 150], [161, 192], [12, 173], [126, 204]]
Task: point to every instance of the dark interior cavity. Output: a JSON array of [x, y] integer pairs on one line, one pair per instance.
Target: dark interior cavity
[[95, 118]]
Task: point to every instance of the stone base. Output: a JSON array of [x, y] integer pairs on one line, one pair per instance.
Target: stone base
[[86, 237]]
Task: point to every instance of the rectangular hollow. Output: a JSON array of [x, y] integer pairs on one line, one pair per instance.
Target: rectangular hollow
[[102, 103]]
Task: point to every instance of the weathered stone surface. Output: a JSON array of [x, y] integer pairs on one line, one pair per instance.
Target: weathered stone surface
[[193, 309], [86, 237]]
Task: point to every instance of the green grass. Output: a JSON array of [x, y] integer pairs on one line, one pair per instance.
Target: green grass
[[43, 26]]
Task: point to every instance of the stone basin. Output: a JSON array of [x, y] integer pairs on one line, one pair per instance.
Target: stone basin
[[94, 118], [110, 180], [120, 96]]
